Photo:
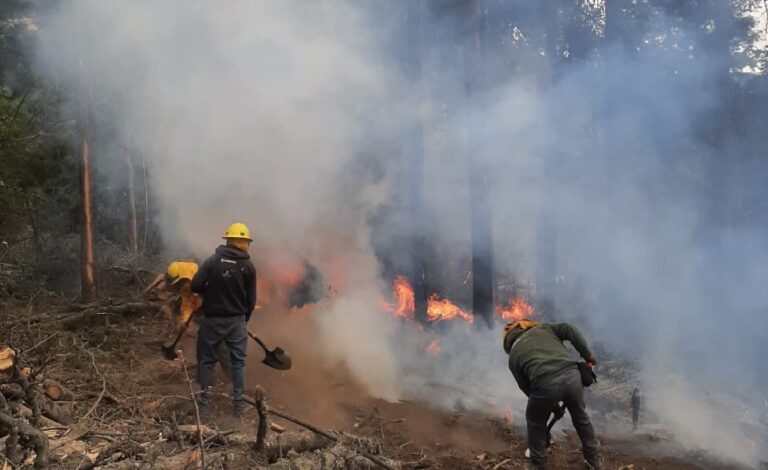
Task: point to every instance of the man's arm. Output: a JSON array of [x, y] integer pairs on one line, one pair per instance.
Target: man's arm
[[250, 290], [566, 332], [522, 381], [201, 276]]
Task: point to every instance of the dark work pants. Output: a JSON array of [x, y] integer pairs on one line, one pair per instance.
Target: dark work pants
[[565, 387], [213, 331]]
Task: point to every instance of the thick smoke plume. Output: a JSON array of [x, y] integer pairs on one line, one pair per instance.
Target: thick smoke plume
[[288, 116]]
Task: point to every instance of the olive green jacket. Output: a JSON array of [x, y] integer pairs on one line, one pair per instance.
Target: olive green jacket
[[539, 353]]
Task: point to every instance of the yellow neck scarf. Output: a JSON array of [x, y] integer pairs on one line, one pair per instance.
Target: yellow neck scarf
[[522, 324]]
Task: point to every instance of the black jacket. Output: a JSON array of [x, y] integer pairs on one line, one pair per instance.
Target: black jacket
[[227, 281]]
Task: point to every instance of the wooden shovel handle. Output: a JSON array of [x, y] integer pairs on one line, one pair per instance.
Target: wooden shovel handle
[[183, 329], [256, 338]]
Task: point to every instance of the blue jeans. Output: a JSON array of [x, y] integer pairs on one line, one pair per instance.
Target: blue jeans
[[213, 331]]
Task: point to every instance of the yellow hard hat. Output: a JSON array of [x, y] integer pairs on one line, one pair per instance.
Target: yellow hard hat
[[238, 230], [179, 270]]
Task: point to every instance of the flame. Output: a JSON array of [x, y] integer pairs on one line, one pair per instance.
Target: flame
[[439, 309], [443, 309], [404, 297], [517, 309], [405, 304], [433, 348]]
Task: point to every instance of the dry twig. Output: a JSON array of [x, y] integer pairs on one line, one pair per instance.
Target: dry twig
[[103, 385], [200, 439]]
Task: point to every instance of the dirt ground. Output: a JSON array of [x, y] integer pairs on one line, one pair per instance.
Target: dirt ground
[[129, 396]]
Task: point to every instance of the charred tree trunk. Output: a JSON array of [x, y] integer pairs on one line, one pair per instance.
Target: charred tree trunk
[[414, 159], [133, 226], [480, 203], [146, 202], [546, 238], [32, 205], [87, 278]]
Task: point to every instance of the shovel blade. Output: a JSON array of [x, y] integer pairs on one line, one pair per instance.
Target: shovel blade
[[169, 353], [277, 359]]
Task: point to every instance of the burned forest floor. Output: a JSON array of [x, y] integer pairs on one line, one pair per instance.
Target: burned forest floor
[[107, 398]]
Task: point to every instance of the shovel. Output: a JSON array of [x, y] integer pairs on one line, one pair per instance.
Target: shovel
[[559, 412], [169, 352], [276, 358]]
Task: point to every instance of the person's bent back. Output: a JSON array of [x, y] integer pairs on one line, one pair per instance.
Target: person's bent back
[[547, 373]]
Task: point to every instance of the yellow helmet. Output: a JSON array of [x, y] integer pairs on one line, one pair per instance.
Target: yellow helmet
[[238, 230], [179, 270]]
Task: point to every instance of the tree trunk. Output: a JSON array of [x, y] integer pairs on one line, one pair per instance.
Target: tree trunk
[[146, 202], [546, 236], [480, 203], [413, 149], [133, 226], [31, 202], [88, 284]]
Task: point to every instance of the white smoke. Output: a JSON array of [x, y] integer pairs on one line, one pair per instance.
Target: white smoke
[[286, 115]]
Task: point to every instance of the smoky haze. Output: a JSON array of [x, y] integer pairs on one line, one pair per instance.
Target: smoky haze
[[288, 116]]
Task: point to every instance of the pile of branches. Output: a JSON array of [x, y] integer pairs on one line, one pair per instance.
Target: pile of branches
[[84, 387]]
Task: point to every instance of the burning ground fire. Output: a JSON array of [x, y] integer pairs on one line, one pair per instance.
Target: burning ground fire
[[300, 284], [439, 309]]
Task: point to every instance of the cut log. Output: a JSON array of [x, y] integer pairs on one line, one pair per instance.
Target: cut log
[[191, 430], [6, 358], [56, 391], [299, 442]]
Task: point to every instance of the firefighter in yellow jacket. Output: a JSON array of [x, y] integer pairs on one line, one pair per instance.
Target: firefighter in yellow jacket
[[174, 287]]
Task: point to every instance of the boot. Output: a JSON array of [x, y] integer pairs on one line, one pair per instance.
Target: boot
[[595, 463], [238, 408], [206, 415]]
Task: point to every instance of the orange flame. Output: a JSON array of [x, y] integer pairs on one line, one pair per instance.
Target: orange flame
[[517, 309], [439, 309], [404, 297], [443, 309], [433, 348]]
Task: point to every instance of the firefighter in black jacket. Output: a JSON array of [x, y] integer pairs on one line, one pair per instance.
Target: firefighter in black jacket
[[227, 282]]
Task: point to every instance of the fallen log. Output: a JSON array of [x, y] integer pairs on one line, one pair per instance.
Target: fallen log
[[299, 442], [337, 457], [54, 410], [56, 391], [44, 422], [76, 313], [125, 310], [378, 461]]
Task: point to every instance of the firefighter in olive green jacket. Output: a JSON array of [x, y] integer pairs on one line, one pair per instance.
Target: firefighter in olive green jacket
[[546, 372]]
